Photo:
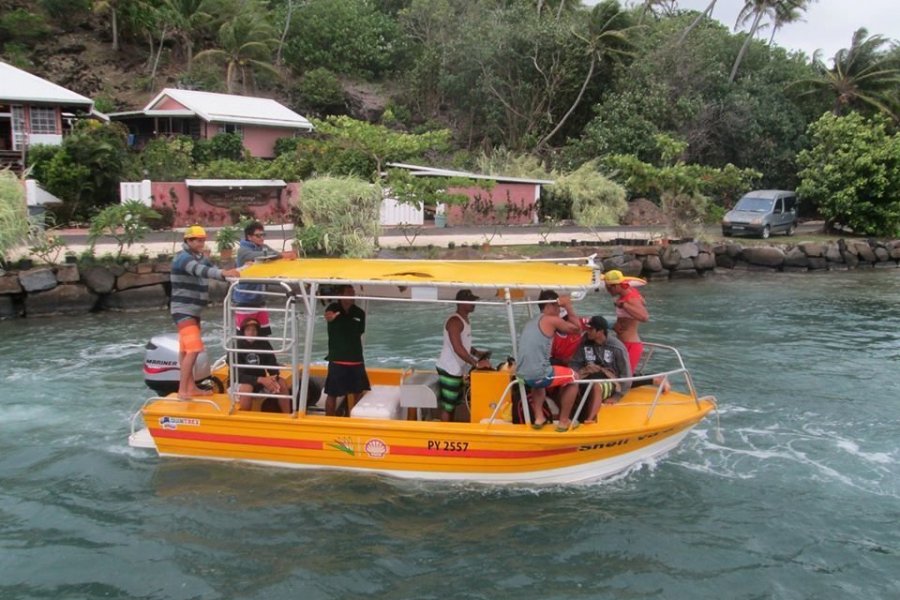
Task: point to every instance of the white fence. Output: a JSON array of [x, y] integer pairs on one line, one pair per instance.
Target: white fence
[[135, 190], [397, 213], [35, 195]]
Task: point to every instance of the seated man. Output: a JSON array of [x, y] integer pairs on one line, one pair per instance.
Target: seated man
[[534, 358], [601, 356], [262, 378]]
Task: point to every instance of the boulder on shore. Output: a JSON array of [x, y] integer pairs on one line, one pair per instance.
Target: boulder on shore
[[68, 299]]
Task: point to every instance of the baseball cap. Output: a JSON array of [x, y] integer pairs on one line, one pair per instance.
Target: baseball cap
[[466, 296], [613, 277], [194, 231], [598, 323]]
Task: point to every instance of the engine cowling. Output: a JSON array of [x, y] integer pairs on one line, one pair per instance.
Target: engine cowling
[[161, 369]]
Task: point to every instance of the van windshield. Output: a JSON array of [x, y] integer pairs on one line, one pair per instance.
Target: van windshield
[[754, 204]]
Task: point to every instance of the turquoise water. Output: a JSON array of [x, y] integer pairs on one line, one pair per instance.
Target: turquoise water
[[800, 501]]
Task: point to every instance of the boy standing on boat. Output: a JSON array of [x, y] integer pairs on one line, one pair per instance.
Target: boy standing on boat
[[190, 275], [534, 358], [346, 368], [457, 355], [247, 299]]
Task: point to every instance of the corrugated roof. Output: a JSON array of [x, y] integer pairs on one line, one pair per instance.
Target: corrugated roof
[[22, 86], [421, 171], [230, 108]]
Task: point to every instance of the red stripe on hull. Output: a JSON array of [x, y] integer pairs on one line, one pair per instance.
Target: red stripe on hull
[[237, 439], [504, 454], [178, 434]]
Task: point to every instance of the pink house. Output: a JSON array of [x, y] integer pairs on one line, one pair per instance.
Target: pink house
[[203, 115], [35, 111], [511, 200]]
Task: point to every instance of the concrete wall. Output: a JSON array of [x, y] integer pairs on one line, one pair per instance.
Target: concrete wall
[[521, 197]]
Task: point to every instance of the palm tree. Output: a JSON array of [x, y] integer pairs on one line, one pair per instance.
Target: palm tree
[[245, 45], [755, 10], [707, 12], [605, 36], [864, 75]]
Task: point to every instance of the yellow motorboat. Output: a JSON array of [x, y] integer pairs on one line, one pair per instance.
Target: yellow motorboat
[[391, 430]]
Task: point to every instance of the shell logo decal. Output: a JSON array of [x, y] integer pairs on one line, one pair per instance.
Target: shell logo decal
[[376, 448]]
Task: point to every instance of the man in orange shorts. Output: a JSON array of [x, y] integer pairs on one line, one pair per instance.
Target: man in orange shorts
[[191, 272], [534, 358]]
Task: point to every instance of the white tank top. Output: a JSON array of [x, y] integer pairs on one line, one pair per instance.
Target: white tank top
[[449, 361]]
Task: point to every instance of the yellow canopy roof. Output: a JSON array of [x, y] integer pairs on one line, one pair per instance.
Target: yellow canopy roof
[[442, 273]]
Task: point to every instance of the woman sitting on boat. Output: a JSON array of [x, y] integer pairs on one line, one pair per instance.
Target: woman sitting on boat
[[257, 368]]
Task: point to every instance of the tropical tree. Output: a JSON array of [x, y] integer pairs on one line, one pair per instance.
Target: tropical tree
[[707, 13], [378, 142], [863, 76], [607, 35], [754, 11], [852, 173], [245, 46]]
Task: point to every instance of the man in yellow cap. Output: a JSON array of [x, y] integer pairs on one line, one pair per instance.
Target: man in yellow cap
[[191, 272], [630, 310]]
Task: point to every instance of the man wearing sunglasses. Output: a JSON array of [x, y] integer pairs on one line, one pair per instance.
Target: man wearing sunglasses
[[249, 302]]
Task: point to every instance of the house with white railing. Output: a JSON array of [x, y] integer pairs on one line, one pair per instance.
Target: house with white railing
[[35, 111]]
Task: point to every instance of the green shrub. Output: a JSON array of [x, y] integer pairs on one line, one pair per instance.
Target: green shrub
[[346, 211], [67, 13], [852, 173], [321, 91], [596, 200], [224, 146], [21, 25], [167, 159], [686, 213], [85, 170], [127, 223], [13, 213], [17, 55]]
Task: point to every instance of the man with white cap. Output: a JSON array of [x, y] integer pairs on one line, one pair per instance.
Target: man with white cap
[[190, 275]]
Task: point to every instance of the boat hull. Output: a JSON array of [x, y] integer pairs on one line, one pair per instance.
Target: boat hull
[[478, 452]]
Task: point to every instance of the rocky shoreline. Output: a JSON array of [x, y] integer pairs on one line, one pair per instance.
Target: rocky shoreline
[[74, 289]]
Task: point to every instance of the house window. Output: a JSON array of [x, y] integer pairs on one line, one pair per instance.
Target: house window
[[18, 127], [231, 128], [43, 120]]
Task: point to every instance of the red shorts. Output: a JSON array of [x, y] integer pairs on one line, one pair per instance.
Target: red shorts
[[635, 350], [559, 376]]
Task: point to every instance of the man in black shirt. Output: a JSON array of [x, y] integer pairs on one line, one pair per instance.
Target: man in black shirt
[[346, 367]]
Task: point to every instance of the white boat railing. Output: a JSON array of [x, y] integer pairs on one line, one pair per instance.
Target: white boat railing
[[658, 379]]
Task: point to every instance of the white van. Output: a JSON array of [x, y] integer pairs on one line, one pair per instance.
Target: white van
[[762, 213]]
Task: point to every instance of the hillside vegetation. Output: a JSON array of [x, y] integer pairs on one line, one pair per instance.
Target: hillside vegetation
[[658, 99]]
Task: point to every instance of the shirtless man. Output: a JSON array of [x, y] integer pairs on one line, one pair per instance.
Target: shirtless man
[[630, 311]]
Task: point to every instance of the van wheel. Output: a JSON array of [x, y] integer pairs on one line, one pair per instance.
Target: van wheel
[[791, 229], [765, 232]]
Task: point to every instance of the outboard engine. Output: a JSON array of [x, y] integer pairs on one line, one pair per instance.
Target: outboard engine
[[161, 372]]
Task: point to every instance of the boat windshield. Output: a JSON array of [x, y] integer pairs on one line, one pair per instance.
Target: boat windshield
[[761, 205]]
